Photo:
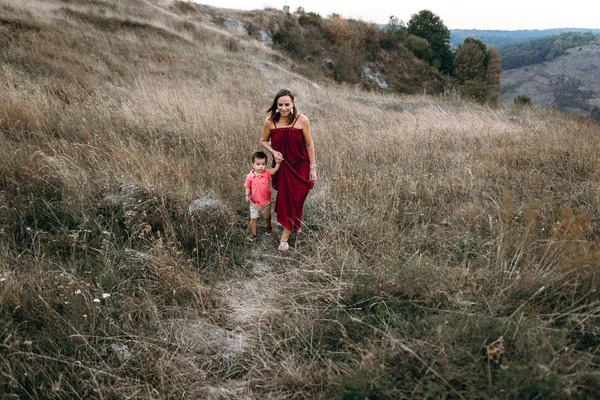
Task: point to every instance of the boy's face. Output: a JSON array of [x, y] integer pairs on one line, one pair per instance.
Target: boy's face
[[259, 164]]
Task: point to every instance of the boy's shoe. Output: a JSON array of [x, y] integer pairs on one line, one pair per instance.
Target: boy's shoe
[[268, 231], [251, 238]]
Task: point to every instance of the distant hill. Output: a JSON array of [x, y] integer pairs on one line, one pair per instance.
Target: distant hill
[[497, 38], [569, 82], [545, 49]]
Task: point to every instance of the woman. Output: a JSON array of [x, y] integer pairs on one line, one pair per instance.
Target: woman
[[286, 135]]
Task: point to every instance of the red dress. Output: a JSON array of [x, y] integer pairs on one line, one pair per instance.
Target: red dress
[[291, 181]]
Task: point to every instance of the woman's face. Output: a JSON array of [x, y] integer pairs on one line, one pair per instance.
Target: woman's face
[[285, 105]]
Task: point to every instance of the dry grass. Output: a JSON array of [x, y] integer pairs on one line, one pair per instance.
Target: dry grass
[[437, 226]]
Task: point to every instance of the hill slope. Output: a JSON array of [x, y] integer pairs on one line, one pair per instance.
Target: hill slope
[[545, 49], [570, 82], [449, 250], [345, 50], [497, 38]]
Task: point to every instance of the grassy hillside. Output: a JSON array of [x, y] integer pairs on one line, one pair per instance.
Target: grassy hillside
[[450, 250]]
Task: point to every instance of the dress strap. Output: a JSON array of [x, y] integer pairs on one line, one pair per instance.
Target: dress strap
[[297, 118]]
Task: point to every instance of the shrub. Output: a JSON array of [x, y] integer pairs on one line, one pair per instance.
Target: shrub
[[522, 100], [310, 18], [419, 46]]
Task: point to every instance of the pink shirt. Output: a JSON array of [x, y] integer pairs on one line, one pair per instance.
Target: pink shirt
[[260, 190]]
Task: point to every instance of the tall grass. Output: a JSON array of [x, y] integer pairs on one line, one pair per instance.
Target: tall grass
[[450, 250]]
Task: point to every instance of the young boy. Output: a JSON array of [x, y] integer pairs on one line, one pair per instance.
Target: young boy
[[258, 192]]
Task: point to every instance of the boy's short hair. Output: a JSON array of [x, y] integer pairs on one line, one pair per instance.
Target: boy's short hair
[[259, 155]]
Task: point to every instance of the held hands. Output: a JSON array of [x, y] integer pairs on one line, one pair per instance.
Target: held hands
[[248, 198], [312, 176], [277, 156]]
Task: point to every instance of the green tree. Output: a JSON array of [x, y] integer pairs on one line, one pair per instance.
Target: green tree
[[427, 25], [477, 71], [494, 71], [393, 33], [471, 61]]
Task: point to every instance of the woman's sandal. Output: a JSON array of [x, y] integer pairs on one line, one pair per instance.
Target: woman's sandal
[[283, 246]]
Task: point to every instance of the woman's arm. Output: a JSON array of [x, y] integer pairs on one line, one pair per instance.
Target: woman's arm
[[264, 140], [310, 148]]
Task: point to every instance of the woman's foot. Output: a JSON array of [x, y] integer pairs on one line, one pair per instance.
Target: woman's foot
[[283, 245]]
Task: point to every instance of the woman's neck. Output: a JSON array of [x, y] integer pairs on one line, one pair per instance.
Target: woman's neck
[[283, 122]]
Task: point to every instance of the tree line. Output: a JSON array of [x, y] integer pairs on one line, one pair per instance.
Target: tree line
[[474, 68]]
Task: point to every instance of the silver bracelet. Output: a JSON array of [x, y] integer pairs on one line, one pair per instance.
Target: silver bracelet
[[313, 166]]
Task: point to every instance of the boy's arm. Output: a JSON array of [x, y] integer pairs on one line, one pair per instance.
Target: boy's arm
[[274, 170], [247, 186]]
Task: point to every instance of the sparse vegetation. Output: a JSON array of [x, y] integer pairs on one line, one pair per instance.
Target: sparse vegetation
[[450, 250]]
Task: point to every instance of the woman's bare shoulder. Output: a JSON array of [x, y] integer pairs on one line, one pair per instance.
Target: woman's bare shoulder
[[269, 122], [302, 121]]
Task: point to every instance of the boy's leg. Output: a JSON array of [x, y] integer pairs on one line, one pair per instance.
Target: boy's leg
[[269, 226], [253, 220], [265, 213], [253, 223], [267, 217]]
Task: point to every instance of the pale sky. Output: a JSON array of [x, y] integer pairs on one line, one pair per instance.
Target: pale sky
[[465, 14]]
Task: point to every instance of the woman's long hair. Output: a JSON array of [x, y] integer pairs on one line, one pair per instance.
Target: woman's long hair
[[275, 116]]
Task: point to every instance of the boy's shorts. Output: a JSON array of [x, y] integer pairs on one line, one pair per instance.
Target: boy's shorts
[[262, 211]]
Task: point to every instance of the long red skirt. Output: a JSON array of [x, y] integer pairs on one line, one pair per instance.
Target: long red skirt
[[291, 181]]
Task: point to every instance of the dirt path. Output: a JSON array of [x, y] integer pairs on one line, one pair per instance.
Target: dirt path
[[247, 298]]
